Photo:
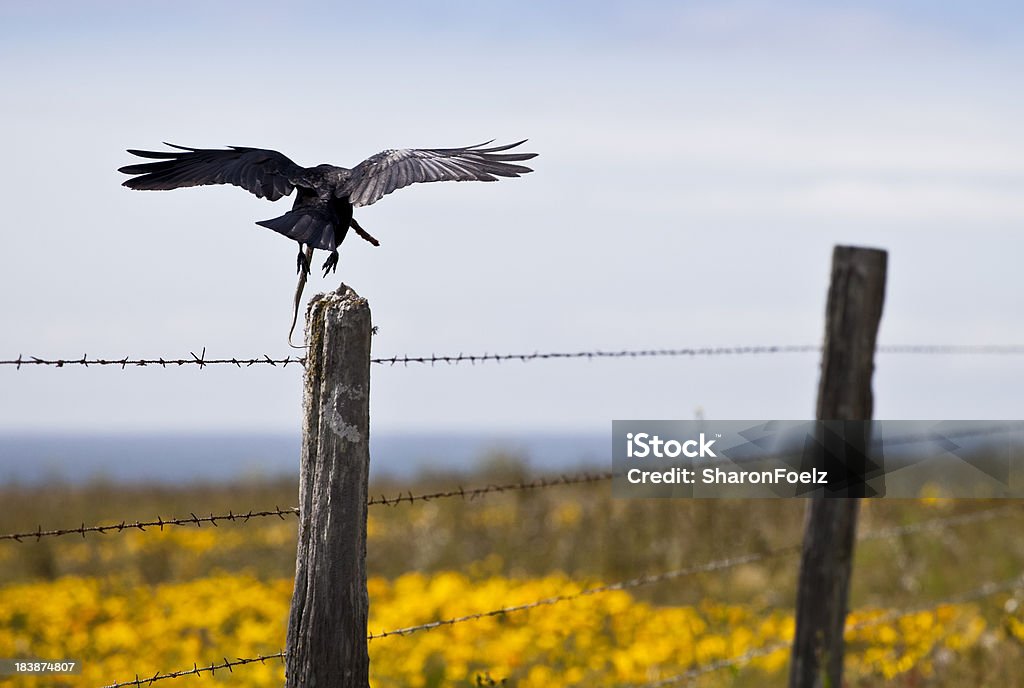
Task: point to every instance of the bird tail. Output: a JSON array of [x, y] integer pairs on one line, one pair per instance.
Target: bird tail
[[307, 226]]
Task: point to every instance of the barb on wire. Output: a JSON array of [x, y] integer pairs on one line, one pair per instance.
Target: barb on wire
[[469, 493], [453, 359], [196, 670], [981, 592]]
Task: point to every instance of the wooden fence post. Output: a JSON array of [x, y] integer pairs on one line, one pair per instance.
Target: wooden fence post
[[326, 645], [854, 310]]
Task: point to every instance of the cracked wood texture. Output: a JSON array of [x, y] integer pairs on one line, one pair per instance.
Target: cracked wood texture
[[854, 310], [327, 631]]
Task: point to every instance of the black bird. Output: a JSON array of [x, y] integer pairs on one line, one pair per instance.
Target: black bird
[[322, 213]]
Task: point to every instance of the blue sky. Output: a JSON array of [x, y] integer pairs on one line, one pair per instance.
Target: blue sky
[[698, 162]]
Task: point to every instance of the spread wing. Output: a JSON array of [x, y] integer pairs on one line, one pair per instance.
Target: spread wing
[[266, 173], [381, 174]]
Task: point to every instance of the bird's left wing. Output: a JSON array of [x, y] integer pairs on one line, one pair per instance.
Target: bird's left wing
[[265, 173], [377, 176]]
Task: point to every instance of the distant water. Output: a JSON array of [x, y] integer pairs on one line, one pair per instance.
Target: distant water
[[176, 458]]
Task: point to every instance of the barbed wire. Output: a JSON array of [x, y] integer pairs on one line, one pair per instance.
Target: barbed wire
[[942, 522], [623, 353], [196, 670], [716, 565], [954, 349], [475, 492], [158, 522], [981, 592], [639, 581], [126, 361], [470, 493], [454, 359], [192, 519]]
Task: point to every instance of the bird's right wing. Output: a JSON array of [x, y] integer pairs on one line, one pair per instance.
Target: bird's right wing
[[266, 173]]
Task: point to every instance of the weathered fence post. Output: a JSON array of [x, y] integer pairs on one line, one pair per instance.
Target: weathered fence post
[[854, 310], [327, 626]]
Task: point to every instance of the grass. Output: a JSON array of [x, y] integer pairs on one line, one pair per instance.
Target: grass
[[566, 533]]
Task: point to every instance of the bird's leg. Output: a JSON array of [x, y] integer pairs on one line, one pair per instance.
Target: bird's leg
[[331, 263], [362, 232], [302, 262]]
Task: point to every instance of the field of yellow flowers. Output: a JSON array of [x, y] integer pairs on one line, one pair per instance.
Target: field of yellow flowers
[[138, 603]]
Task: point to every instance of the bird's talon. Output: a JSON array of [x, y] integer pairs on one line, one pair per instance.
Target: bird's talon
[[302, 265], [331, 264]]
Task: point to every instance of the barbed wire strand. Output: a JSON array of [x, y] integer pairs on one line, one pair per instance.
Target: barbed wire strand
[[434, 359], [242, 517], [196, 670], [158, 522], [717, 565], [453, 359], [583, 478], [410, 498], [401, 498], [981, 592], [126, 361]]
